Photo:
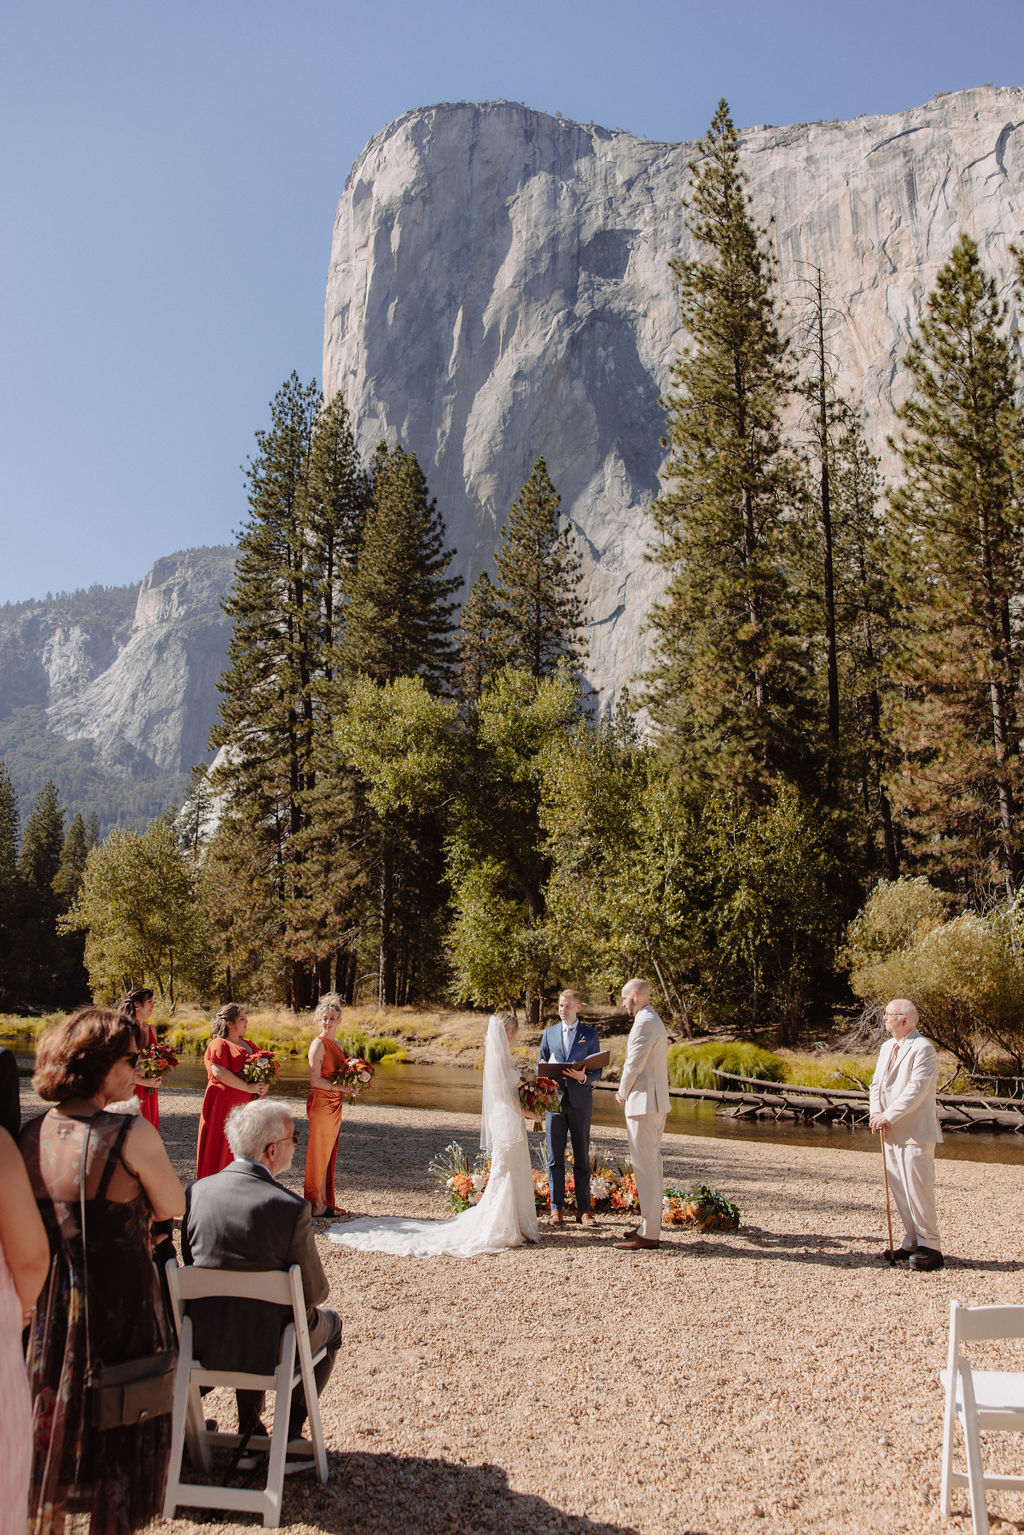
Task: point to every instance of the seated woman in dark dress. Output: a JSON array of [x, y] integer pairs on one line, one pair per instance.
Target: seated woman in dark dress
[[117, 1475]]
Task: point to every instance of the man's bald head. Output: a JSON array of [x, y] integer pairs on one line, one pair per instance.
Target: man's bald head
[[900, 1017], [635, 995]]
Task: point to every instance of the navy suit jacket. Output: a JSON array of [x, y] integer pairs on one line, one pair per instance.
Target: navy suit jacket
[[580, 1095]]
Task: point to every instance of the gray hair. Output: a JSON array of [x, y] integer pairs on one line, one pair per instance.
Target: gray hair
[[252, 1127]]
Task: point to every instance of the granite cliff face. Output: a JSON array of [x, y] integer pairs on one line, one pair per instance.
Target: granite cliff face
[[499, 288], [117, 684]]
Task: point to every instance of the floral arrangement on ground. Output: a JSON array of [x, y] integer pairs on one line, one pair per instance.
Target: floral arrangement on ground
[[612, 1187]]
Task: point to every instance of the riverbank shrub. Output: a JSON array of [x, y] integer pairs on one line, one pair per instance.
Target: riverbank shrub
[[695, 1065]]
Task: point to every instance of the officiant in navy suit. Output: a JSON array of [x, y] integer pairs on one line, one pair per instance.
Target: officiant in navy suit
[[567, 1041]]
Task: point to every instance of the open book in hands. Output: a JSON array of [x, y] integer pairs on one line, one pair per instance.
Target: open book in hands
[[557, 1069]]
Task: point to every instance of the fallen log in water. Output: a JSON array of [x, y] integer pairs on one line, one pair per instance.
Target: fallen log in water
[[751, 1098]]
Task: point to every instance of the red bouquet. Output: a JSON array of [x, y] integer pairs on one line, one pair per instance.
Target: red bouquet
[[539, 1098], [156, 1059], [261, 1066], [354, 1074]]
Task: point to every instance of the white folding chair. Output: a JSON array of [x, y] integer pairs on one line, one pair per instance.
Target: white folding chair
[[280, 1288], [981, 1399]]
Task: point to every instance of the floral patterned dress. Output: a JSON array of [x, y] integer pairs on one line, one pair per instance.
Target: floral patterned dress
[[116, 1476]]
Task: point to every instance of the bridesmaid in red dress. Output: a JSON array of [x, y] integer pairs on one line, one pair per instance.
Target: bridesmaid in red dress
[[226, 1054], [323, 1108], [138, 1005]]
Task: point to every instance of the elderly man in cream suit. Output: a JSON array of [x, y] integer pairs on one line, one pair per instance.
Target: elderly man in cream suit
[[902, 1107], [643, 1092]]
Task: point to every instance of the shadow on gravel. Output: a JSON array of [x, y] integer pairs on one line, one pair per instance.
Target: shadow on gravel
[[382, 1494], [831, 1252]]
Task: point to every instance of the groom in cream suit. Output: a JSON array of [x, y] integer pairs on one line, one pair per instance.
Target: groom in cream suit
[[902, 1108], [643, 1092]]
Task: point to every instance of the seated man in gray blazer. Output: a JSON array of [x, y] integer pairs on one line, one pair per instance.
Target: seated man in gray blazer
[[242, 1218]]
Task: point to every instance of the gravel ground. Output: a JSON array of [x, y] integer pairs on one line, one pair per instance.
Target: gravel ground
[[778, 1378]]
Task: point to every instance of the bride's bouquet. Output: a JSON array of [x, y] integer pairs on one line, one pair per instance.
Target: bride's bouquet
[[156, 1059], [261, 1067], [354, 1074], [539, 1098]]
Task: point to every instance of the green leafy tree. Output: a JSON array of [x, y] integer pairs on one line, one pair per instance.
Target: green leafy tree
[[957, 551], [402, 742], [729, 689], [497, 862], [141, 910], [540, 615]]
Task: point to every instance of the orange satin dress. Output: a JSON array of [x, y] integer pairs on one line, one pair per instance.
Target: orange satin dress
[[149, 1097], [213, 1151], [323, 1110]]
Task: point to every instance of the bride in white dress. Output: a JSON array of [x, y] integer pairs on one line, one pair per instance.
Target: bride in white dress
[[507, 1214]]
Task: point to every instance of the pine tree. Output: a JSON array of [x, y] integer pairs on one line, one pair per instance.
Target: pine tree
[[38, 866], [398, 620], [9, 907], [269, 690], [541, 615], [481, 648], [72, 981], [398, 623], [957, 521], [729, 688]]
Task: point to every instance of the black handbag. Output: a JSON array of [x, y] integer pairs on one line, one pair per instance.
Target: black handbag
[[136, 1390]]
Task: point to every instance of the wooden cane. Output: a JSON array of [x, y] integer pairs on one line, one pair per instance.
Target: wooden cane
[[888, 1206]]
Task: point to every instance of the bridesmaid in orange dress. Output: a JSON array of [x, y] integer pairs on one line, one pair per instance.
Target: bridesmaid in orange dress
[[225, 1056], [323, 1108], [138, 1005]]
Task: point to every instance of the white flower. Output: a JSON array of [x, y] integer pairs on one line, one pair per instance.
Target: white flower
[[600, 1188], [479, 1182]]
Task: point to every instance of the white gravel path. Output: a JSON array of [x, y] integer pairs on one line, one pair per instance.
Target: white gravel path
[[779, 1378]]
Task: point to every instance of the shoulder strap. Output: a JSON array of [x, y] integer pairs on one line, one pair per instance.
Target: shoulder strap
[[115, 1156]]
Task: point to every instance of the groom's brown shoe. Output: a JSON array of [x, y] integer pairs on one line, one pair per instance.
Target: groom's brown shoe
[[636, 1244]]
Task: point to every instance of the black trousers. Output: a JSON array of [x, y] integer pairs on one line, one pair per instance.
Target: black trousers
[[570, 1124]]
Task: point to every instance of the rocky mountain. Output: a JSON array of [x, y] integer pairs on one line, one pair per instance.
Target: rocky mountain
[[499, 288], [112, 692]]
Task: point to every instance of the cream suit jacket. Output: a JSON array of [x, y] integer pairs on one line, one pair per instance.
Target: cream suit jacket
[[906, 1096], [644, 1080]]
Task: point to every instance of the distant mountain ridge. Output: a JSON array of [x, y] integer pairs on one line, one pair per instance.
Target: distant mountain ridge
[[111, 692]]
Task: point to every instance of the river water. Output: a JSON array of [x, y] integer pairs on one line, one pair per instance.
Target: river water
[[457, 1088]]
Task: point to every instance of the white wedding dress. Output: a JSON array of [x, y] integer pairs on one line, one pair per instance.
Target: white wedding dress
[[506, 1215]]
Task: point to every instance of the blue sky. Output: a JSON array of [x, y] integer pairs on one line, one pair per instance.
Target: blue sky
[[170, 175]]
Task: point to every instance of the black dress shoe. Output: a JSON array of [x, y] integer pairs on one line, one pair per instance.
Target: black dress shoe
[[925, 1259], [900, 1255]]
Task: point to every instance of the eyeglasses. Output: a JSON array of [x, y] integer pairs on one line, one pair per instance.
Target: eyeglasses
[[293, 1139], [132, 1058]]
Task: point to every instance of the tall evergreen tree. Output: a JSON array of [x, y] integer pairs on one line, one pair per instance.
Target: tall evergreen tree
[[481, 646], [398, 620], [729, 688], [957, 523], [72, 979], [267, 705], [38, 866], [398, 623], [9, 908], [540, 613]]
